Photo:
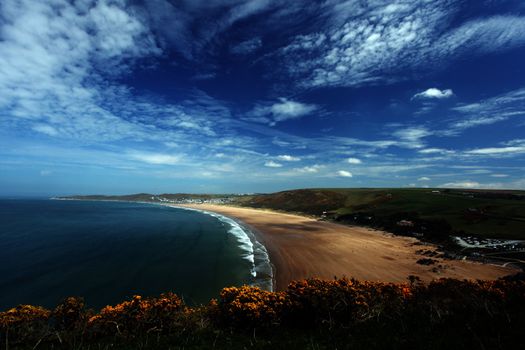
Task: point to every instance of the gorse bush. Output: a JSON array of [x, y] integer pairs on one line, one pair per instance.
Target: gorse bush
[[250, 307], [341, 302], [25, 323], [139, 315], [491, 313]]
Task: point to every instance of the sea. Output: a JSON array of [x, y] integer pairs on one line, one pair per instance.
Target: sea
[[106, 252]]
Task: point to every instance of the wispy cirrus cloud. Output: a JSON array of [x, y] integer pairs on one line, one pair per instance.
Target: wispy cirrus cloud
[[472, 122], [435, 151], [367, 43], [497, 150], [310, 169], [179, 23], [489, 111]]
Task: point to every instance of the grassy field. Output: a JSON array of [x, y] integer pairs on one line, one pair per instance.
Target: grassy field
[[487, 213]]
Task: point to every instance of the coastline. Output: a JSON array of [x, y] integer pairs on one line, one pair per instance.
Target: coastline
[[263, 277], [263, 270], [301, 247]]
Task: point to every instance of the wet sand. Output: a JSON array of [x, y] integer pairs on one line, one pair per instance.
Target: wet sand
[[302, 247]]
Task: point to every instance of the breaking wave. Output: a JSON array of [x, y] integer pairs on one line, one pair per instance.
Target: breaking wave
[[253, 251]]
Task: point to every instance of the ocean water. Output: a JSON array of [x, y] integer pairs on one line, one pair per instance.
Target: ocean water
[[109, 251]]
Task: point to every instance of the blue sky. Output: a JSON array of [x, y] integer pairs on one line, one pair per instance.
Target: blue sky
[[260, 95]]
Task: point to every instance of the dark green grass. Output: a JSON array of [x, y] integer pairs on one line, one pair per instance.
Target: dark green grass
[[490, 213]]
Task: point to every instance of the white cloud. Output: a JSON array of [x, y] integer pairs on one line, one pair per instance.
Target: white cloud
[[434, 93], [310, 169], [423, 178], [412, 133], [55, 59], [354, 161], [288, 158], [272, 164], [156, 158], [344, 173], [280, 111], [286, 109], [461, 184]]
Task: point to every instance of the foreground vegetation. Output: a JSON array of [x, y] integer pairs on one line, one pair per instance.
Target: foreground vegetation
[[310, 314]]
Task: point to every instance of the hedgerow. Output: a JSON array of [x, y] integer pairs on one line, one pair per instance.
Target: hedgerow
[[344, 311]]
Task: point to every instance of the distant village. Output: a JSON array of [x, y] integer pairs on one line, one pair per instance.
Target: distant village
[[193, 200]]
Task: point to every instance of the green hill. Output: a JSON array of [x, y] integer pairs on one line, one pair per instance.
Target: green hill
[[487, 213]]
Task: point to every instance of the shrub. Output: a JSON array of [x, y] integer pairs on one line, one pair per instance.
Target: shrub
[[340, 302], [138, 316], [24, 324], [71, 314], [346, 311], [250, 306]]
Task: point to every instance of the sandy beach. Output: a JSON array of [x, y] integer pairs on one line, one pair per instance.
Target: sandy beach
[[302, 247]]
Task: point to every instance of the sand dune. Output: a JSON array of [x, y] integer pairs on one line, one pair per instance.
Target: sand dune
[[301, 247]]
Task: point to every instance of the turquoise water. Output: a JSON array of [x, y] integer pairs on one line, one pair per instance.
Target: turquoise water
[[108, 251]]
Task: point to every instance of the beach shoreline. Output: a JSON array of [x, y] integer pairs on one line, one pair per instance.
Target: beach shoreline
[[302, 247], [263, 277]]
